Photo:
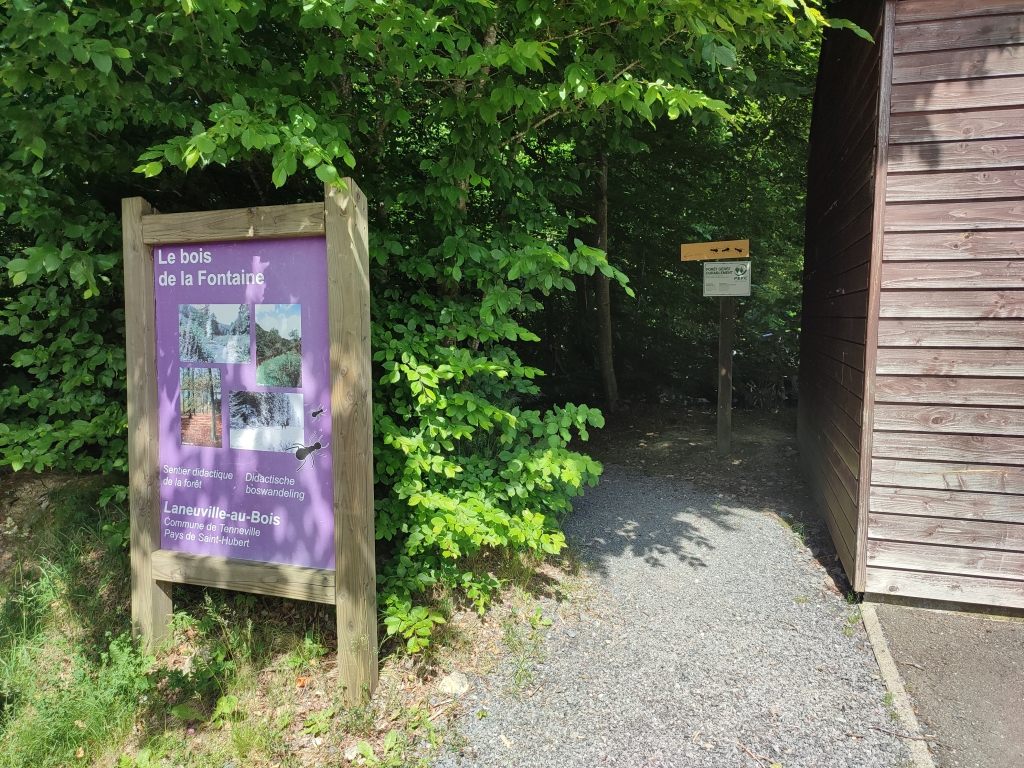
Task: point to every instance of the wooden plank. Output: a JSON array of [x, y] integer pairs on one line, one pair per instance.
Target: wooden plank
[[348, 289], [844, 108], [871, 347], [955, 304], [973, 449], [1002, 334], [920, 217], [837, 506], [847, 305], [970, 32], [851, 169], [848, 206], [958, 65], [949, 391], [724, 249], [933, 586], [994, 507], [845, 352], [838, 461], [844, 480], [851, 281], [956, 126], [956, 185], [843, 432], [844, 446], [846, 328], [986, 563], [986, 93], [960, 275], [846, 375], [846, 224], [948, 419], [837, 244], [951, 362], [947, 532], [151, 599], [271, 221], [959, 476], [854, 256], [924, 10], [965, 244], [290, 581], [839, 529], [850, 402], [953, 156]]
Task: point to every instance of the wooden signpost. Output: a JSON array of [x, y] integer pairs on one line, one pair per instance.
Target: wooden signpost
[[725, 249], [276, 499], [725, 281]]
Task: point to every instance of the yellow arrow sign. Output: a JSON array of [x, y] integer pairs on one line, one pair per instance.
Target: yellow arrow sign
[[725, 249]]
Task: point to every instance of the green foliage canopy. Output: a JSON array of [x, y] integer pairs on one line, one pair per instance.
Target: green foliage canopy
[[456, 117]]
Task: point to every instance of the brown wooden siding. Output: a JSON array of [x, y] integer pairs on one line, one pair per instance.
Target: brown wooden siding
[[840, 211], [946, 501]]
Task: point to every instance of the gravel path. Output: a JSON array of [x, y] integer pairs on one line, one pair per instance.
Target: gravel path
[[712, 628]]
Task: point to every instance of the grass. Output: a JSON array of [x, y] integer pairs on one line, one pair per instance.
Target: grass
[[851, 622], [525, 644], [244, 678], [70, 678], [891, 705], [74, 689]]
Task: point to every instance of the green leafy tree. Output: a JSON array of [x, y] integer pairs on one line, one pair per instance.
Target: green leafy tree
[[456, 118], [744, 178]]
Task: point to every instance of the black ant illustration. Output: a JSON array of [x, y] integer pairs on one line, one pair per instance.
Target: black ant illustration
[[309, 452], [317, 413]]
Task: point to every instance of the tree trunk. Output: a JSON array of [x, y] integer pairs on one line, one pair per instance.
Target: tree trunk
[[581, 330], [213, 413], [602, 291]]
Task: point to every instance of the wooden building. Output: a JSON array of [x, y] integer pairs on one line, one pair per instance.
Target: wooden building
[[911, 424]]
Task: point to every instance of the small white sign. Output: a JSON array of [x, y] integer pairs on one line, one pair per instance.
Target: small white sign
[[726, 278]]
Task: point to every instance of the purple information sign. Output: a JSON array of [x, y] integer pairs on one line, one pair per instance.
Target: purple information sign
[[245, 416]]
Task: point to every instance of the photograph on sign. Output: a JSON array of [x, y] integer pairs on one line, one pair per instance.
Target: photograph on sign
[[213, 333], [727, 278], [243, 379], [279, 345]]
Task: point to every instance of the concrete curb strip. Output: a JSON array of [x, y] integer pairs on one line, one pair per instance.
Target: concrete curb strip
[[919, 751]]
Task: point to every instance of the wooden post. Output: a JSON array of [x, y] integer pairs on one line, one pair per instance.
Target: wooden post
[[348, 288], [727, 319], [151, 599]]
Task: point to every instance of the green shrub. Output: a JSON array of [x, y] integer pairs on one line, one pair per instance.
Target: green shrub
[[473, 148], [281, 371]]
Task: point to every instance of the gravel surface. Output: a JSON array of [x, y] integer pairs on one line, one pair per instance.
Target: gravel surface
[[710, 629]]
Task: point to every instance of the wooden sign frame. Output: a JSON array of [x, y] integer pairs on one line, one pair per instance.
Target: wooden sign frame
[[351, 586]]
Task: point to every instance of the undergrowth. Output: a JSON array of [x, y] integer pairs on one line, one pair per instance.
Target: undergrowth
[[245, 678]]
